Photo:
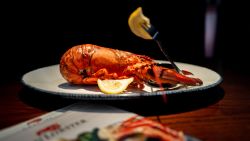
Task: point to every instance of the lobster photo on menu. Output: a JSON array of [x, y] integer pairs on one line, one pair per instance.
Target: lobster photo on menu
[[133, 129]]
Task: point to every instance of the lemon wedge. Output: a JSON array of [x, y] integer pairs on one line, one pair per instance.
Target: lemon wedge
[[112, 86], [136, 23]]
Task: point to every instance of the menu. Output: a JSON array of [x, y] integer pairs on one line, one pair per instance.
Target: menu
[[66, 123], [84, 121]]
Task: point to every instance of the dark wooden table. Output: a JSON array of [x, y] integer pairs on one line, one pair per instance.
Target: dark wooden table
[[218, 114]]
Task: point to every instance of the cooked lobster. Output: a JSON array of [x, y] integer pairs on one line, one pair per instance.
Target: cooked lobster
[[140, 128], [84, 64]]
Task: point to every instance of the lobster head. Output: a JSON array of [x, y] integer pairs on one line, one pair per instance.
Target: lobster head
[[75, 62]]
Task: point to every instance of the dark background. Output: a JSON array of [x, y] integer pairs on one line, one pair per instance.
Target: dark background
[[36, 34]]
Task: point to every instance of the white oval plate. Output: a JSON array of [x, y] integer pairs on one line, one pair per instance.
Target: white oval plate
[[48, 79]]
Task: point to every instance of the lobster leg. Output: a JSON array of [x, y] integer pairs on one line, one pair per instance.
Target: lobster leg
[[101, 74], [164, 75]]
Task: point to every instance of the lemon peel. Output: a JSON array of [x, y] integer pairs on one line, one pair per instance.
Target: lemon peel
[[113, 86], [137, 21]]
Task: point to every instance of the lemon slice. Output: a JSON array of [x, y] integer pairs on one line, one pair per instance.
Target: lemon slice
[[136, 23], [111, 86]]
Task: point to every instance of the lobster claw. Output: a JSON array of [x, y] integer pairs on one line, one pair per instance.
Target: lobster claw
[[163, 75], [169, 66]]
